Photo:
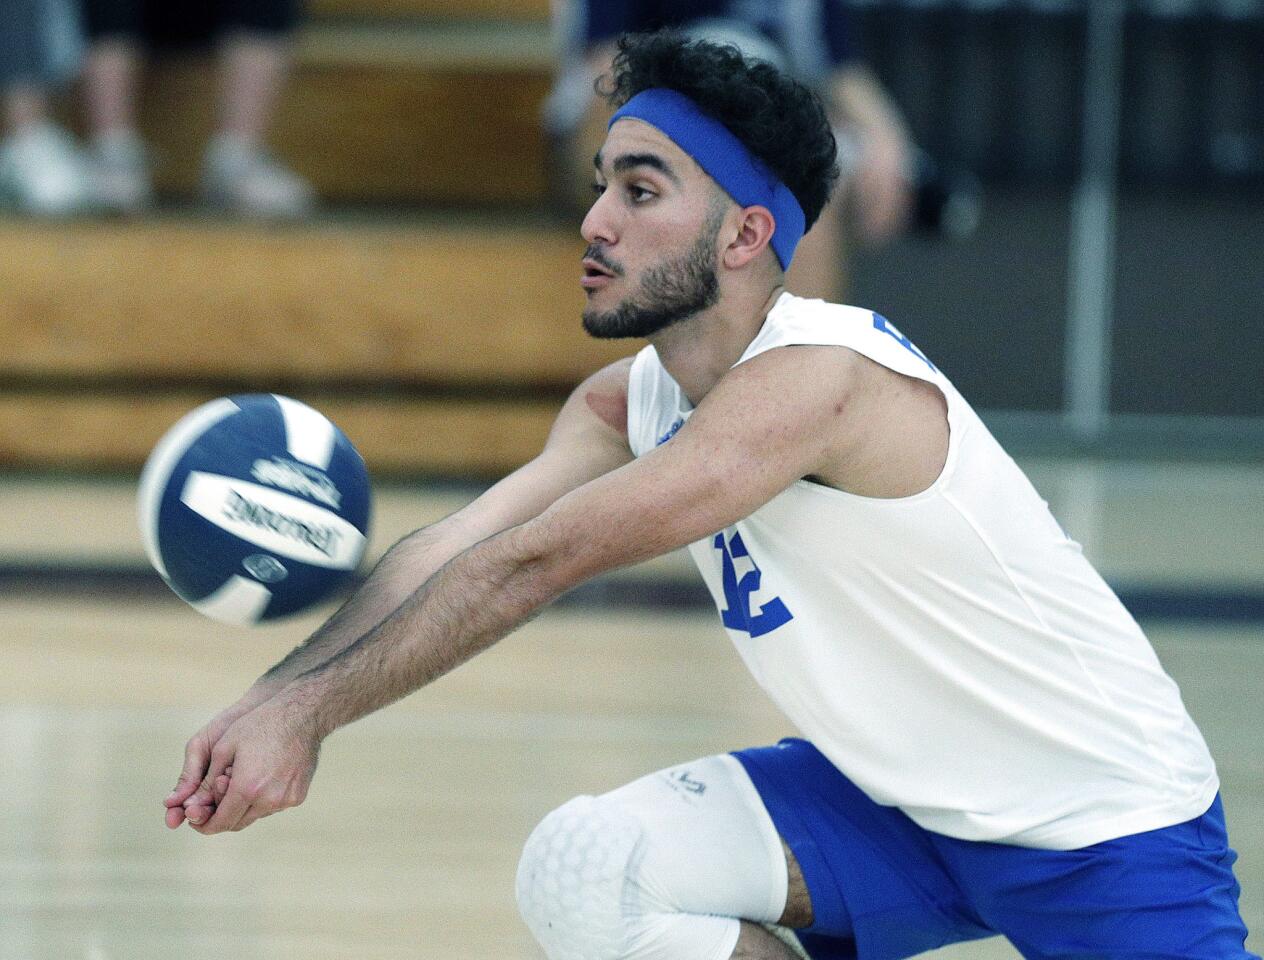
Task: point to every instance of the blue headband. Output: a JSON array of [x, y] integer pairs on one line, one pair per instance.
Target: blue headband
[[741, 174]]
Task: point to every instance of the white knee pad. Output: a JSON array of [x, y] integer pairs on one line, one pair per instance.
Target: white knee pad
[[660, 869], [571, 880]]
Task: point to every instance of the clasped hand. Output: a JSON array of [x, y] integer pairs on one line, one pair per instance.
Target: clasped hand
[[253, 760]]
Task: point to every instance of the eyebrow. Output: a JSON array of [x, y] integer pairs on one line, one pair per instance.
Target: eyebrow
[[630, 161]]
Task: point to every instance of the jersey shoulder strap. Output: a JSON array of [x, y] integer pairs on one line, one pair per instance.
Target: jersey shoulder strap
[[653, 401], [795, 320]]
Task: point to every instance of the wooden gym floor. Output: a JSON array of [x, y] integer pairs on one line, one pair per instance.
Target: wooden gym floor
[[408, 843]]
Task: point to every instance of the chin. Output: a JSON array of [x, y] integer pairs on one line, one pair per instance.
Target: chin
[[629, 321], [603, 325]]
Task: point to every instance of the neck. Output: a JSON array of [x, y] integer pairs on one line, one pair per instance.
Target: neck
[[699, 351]]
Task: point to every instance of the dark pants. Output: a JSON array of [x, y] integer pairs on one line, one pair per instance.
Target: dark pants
[[189, 23]]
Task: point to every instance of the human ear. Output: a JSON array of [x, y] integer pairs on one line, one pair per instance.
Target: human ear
[[754, 231]]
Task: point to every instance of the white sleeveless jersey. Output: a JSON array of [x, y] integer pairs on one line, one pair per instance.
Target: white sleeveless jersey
[[952, 652]]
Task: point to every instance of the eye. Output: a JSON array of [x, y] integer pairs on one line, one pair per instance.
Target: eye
[[598, 189], [639, 194]]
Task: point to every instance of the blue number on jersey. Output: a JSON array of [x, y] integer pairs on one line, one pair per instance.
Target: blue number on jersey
[[882, 323], [737, 593], [671, 431]]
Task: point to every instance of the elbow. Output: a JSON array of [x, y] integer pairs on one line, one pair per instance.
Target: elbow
[[554, 556]]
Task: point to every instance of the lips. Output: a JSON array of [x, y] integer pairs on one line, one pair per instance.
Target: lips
[[594, 269], [595, 274]]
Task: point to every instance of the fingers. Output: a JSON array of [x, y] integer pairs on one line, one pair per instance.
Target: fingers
[[204, 796], [195, 794], [231, 810], [242, 804], [197, 803], [198, 812], [255, 768], [196, 754], [220, 762]]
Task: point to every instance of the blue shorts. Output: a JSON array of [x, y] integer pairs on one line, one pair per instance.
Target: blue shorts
[[883, 887]]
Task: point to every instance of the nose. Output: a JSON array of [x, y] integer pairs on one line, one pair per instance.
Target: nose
[[598, 226]]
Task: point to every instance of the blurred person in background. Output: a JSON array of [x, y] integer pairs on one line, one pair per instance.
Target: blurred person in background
[[815, 42], [41, 168], [253, 53]]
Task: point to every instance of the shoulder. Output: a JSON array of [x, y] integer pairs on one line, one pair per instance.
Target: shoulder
[[818, 390], [796, 376], [605, 394], [864, 427], [596, 410], [802, 320], [613, 376]]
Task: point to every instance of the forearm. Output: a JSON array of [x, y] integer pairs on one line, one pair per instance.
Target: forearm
[[397, 576], [472, 602]]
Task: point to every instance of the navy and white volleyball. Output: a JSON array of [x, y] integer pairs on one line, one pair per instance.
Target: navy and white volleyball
[[254, 507]]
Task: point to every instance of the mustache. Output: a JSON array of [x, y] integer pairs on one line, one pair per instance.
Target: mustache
[[596, 256]]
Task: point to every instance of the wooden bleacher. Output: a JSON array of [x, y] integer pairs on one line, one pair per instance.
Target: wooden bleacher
[[409, 111], [413, 101], [438, 349], [442, 342]]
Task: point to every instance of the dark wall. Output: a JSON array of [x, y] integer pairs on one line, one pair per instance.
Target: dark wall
[[999, 92], [991, 310], [1000, 89]]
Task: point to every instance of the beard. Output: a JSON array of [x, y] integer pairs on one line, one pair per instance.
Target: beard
[[668, 293]]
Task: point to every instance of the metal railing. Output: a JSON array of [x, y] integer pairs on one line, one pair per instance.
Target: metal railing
[[1081, 97]]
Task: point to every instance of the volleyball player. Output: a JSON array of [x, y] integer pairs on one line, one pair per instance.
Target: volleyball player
[[991, 745]]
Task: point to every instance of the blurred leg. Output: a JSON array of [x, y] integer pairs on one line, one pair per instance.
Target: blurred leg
[[819, 268], [239, 174], [120, 166], [253, 69], [25, 106], [109, 86], [41, 170]]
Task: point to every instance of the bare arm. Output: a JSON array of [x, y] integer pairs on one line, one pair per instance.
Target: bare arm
[[769, 422], [856, 96], [589, 438], [882, 178]]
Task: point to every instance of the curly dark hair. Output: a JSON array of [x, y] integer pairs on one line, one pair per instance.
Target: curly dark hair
[[779, 120]]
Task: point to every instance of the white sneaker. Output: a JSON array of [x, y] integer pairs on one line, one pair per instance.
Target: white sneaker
[[120, 171], [244, 179], [42, 172]]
